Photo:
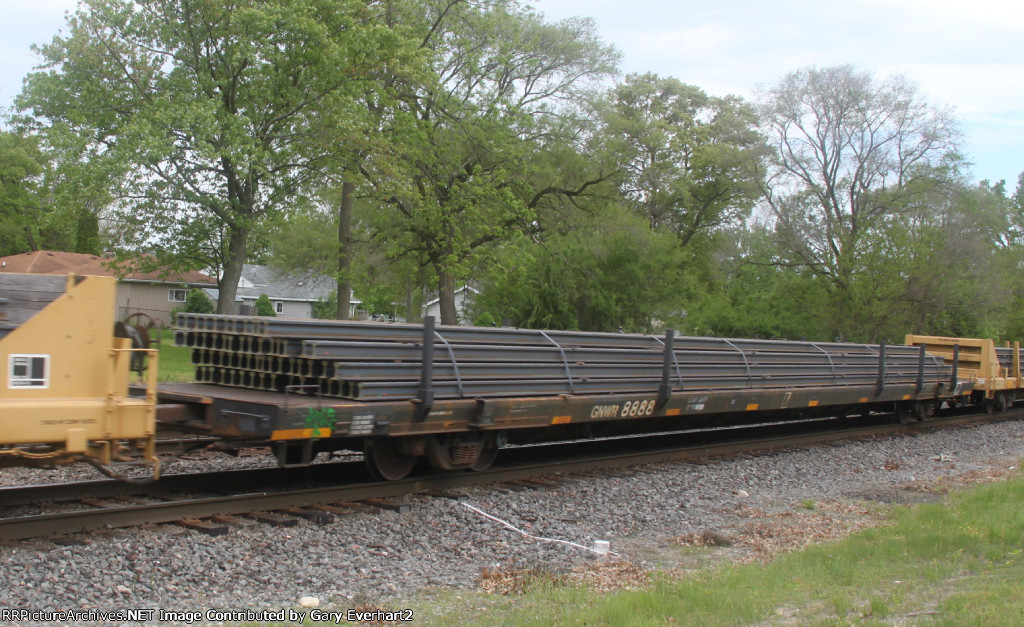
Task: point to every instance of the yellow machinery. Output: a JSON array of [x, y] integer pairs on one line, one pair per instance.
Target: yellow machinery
[[65, 373], [995, 371]]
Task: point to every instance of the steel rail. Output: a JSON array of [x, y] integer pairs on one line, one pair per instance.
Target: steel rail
[[396, 389], [380, 390], [412, 333], [320, 367], [374, 362], [400, 351], [383, 371]]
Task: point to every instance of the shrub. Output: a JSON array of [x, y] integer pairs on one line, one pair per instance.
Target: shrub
[[196, 302], [485, 320], [264, 307], [326, 309]]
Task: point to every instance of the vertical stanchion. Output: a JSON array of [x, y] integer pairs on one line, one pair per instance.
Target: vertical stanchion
[[425, 395], [880, 384], [956, 363], [665, 389]]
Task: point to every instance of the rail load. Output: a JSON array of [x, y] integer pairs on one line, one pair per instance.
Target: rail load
[[65, 367], [454, 395]]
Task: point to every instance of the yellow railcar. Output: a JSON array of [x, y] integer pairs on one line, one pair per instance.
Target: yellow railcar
[[995, 371], [64, 375]]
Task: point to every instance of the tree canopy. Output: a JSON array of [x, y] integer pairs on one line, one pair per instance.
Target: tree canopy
[[464, 171], [405, 147], [852, 158], [688, 161], [207, 117]]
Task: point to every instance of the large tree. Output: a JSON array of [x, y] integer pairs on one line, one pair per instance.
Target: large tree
[[207, 117], [21, 170], [42, 206], [688, 162], [602, 270], [851, 153], [467, 168]]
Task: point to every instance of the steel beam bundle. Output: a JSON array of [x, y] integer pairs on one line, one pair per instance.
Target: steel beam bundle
[[373, 361]]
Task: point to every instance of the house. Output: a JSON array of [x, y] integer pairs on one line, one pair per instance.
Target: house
[[291, 293], [463, 299], [153, 293]]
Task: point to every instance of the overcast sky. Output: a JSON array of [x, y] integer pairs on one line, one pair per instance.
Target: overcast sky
[[967, 54]]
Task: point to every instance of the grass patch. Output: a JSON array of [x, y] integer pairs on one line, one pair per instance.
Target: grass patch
[[175, 361], [955, 563]]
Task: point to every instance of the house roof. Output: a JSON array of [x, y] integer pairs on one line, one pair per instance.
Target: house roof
[[280, 285], [57, 262]]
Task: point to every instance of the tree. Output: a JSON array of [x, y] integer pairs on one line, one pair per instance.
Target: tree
[[689, 162], [1010, 254], [207, 118], [305, 241], [850, 154], [21, 169], [754, 289], [468, 146], [607, 272]]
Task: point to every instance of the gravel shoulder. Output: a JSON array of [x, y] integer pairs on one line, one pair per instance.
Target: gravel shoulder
[[747, 507]]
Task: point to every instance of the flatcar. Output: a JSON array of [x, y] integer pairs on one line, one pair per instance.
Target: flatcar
[[455, 395], [994, 371], [65, 361], [452, 396]]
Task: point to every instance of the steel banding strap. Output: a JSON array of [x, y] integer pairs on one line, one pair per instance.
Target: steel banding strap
[[565, 362], [939, 365], [750, 377], [831, 363], [455, 363]]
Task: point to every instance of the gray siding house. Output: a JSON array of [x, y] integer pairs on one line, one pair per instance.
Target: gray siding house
[[291, 293]]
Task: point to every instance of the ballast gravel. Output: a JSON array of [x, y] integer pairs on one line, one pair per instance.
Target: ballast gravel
[[366, 559]]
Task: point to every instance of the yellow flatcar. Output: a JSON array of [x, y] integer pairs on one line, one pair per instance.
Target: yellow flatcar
[[994, 371], [64, 375]]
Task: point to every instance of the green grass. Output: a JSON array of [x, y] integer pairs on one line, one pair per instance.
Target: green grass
[[958, 563], [175, 361]]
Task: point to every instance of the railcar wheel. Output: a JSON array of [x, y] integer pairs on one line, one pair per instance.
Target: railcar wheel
[[486, 457], [462, 451], [386, 461]]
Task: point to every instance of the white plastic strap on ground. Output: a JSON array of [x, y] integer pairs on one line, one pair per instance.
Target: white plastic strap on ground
[[533, 537]]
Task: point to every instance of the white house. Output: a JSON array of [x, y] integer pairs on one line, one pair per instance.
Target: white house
[[463, 299]]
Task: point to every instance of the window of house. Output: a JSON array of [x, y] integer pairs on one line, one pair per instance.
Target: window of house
[[279, 307], [177, 296]]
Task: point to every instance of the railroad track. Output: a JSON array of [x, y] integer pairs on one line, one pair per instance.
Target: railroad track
[[317, 492]]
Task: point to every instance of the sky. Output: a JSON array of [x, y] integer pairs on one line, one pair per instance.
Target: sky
[[964, 54]]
